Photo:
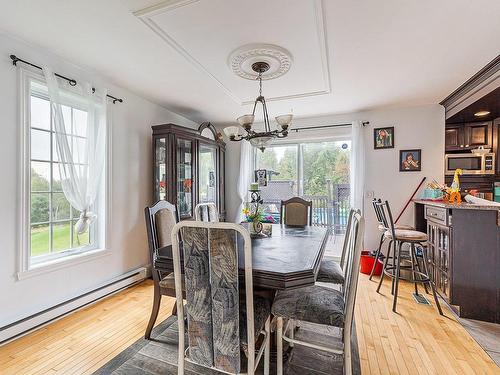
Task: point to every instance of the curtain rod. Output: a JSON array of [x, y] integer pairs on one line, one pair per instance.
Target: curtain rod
[[71, 81], [364, 123]]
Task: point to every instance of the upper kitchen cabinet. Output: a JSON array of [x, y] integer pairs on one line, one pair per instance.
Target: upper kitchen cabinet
[[454, 137], [468, 136], [188, 167]]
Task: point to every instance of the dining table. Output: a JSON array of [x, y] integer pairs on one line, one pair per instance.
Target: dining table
[[289, 258]]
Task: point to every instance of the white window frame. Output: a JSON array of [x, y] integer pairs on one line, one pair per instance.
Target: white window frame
[[48, 263]]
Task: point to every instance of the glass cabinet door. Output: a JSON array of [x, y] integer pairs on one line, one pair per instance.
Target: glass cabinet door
[[160, 169], [185, 178], [207, 174]]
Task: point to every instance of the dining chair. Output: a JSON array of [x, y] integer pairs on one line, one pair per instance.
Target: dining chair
[[206, 212], [296, 212], [324, 306], [219, 325], [383, 227], [160, 220], [331, 271], [398, 238]]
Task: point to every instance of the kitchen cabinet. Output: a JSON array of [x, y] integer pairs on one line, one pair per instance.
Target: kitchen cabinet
[[188, 167], [459, 137], [463, 256], [439, 250], [454, 137]]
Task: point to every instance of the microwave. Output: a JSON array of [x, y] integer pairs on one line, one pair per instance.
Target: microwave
[[470, 164]]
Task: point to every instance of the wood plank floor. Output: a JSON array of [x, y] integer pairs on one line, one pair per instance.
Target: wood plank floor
[[414, 341]]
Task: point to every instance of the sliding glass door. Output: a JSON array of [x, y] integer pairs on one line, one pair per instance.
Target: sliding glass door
[[315, 171]]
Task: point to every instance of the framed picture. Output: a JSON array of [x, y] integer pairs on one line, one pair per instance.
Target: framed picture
[[261, 177], [410, 160], [383, 138]]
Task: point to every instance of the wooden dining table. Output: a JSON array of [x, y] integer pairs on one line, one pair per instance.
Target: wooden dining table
[[289, 258]]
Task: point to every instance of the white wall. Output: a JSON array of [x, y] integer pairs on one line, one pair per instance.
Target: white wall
[[415, 127], [131, 191]]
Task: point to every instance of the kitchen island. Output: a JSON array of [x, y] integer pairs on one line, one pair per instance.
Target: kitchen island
[[464, 255]]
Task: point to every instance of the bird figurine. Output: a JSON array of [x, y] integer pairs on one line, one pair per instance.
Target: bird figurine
[[454, 190]]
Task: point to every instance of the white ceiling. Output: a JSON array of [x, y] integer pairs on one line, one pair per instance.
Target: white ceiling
[[347, 55]]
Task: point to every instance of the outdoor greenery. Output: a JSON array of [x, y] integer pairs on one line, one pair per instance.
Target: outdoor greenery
[[321, 162], [40, 212], [60, 238]]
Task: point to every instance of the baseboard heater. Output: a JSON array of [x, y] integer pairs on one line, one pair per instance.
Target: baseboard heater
[[23, 326]]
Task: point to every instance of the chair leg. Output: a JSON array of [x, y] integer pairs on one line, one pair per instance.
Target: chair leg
[[267, 350], [279, 346], [386, 260], [417, 263], [431, 282], [292, 331], [398, 265], [377, 254], [154, 311], [395, 260], [413, 257]]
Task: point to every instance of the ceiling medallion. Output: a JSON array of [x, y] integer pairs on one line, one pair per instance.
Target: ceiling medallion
[[241, 61]]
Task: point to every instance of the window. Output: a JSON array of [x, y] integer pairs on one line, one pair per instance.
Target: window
[[49, 218], [315, 171]]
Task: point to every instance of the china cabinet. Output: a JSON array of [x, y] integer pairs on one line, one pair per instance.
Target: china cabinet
[[189, 167]]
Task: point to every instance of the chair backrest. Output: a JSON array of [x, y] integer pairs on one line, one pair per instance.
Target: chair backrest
[[296, 212], [385, 213], [206, 212], [355, 241], [160, 220], [376, 208], [212, 293], [347, 238]]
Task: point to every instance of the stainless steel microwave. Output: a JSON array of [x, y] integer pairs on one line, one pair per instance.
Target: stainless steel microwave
[[470, 163]]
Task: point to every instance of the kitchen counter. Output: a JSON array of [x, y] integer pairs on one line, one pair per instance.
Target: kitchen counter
[[463, 249], [463, 205]]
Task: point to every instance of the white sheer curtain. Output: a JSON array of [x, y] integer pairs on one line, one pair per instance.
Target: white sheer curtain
[[81, 147], [357, 173], [245, 177]]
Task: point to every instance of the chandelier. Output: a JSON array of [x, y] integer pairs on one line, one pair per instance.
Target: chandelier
[[259, 139]]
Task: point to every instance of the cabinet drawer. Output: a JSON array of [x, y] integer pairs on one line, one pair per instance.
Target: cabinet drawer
[[436, 214]]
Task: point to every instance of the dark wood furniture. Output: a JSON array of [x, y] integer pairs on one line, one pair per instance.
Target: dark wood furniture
[[290, 258], [464, 256], [189, 167], [467, 136], [296, 212]]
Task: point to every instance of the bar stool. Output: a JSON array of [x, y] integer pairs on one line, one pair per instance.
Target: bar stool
[[382, 229], [398, 238]]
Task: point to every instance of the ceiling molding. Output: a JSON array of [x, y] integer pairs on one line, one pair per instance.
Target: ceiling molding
[[479, 79], [146, 14]]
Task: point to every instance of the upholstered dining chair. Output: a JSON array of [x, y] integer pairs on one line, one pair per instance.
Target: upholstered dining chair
[[331, 271], [220, 324], [206, 212], [324, 306], [296, 212], [160, 220]]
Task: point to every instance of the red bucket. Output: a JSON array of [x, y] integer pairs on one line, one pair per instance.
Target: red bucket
[[366, 264]]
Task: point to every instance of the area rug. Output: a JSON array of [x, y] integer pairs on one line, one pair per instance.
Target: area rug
[[159, 355]]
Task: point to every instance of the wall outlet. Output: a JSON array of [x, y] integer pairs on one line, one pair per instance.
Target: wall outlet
[[369, 194]]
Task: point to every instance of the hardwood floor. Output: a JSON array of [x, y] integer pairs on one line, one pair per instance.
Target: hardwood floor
[[415, 341], [85, 340]]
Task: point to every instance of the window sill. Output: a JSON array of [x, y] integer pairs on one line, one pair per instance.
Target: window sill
[[64, 262]]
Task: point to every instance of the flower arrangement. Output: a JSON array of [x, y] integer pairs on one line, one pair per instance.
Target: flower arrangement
[[257, 216]]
